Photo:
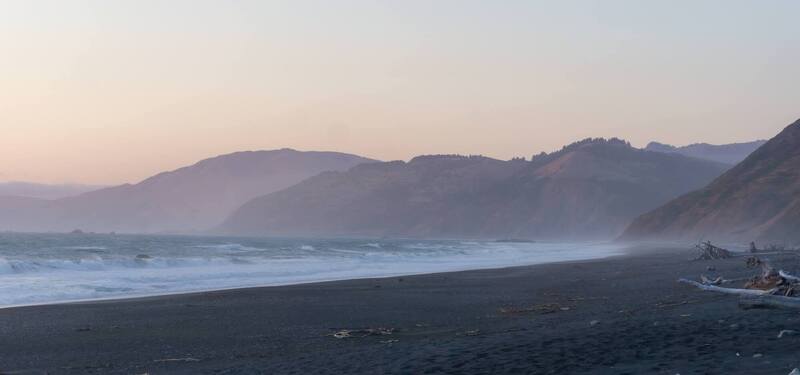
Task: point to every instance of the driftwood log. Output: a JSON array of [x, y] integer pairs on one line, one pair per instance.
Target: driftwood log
[[719, 280], [771, 288], [734, 291], [787, 276]]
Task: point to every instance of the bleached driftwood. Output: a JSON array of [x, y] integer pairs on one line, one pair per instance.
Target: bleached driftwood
[[720, 280], [789, 277], [734, 291], [706, 281], [751, 298], [349, 333], [774, 248]]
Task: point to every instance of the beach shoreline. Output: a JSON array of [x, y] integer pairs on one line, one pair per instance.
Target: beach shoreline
[[623, 314], [145, 297], [63, 269]]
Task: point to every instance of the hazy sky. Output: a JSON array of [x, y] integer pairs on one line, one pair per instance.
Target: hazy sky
[[114, 91]]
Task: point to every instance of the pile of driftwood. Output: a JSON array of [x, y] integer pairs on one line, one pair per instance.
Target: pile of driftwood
[[708, 252], [769, 288]]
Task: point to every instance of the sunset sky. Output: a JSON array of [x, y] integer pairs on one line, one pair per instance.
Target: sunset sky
[[105, 92]]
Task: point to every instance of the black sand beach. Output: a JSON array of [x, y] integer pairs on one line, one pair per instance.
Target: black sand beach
[[623, 315]]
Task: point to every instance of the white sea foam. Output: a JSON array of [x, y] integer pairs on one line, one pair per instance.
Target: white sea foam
[[85, 247], [172, 266], [229, 247]]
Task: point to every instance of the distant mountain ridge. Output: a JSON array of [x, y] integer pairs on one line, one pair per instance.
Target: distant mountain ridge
[[757, 199], [188, 199], [590, 189], [729, 154], [43, 191]]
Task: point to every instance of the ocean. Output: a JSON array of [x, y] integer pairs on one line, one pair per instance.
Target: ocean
[[52, 268]]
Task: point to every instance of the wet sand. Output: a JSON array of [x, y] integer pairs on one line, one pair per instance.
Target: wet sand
[[622, 315]]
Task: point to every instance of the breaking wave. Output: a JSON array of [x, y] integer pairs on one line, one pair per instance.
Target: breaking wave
[[41, 269]]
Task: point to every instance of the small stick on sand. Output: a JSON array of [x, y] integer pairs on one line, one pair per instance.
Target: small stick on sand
[[177, 360]]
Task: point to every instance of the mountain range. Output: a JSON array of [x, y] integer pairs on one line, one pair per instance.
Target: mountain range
[[757, 199], [729, 154], [593, 188], [43, 191], [188, 199], [590, 189]]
